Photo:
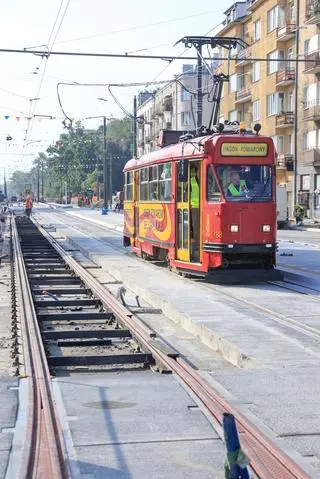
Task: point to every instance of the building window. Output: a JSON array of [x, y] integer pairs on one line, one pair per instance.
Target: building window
[[213, 192], [290, 101], [256, 30], [278, 142], [273, 19], [233, 84], [305, 182], [256, 110], [185, 95], [271, 104], [317, 182], [186, 118], [233, 115], [291, 10], [165, 174], [311, 44], [310, 95], [272, 65], [290, 145], [256, 71], [309, 140]]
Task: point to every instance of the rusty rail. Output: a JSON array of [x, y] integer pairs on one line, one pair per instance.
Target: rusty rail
[[44, 453], [266, 459]]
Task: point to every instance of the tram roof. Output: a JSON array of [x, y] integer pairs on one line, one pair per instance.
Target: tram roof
[[192, 147]]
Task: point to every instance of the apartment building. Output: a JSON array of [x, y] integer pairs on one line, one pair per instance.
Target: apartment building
[[173, 106], [264, 91]]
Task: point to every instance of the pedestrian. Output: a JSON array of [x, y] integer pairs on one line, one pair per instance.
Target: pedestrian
[[28, 206]]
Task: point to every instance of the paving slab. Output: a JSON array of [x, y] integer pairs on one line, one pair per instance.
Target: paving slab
[[137, 424]]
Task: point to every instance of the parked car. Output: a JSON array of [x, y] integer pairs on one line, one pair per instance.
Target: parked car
[[14, 199]]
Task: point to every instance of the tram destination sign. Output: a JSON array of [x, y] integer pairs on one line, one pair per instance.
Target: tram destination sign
[[244, 149]]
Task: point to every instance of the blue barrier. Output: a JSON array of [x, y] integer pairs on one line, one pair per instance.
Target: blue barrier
[[237, 462], [104, 211]]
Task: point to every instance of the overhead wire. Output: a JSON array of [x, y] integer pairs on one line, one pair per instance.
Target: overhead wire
[[128, 29], [50, 45]]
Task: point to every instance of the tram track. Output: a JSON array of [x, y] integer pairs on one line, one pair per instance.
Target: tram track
[[267, 459], [44, 453]]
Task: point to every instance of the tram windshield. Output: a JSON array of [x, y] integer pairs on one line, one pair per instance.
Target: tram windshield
[[246, 183]]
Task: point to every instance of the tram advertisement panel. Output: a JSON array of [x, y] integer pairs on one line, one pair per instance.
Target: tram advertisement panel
[[155, 222], [128, 210]]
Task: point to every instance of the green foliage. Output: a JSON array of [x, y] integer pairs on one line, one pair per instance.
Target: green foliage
[[76, 159]]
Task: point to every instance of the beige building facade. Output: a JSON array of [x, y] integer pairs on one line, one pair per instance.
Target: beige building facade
[[263, 91]]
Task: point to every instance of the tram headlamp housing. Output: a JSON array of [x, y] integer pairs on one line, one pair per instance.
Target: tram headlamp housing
[[266, 228], [234, 228]]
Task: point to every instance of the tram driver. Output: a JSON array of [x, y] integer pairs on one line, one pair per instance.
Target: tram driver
[[237, 187]]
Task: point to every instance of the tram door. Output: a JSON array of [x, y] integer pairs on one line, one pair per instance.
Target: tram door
[[136, 207], [183, 211], [188, 210]]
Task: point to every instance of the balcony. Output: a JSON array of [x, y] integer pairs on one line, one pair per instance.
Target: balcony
[[311, 113], [243, 95], [312, 12], [244, 57], [312, 62], [285, 77], [285, 119], [285, 161], [312, 157], [286, 32]]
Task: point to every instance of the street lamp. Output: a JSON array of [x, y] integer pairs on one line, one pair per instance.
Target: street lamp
[[104, 210]]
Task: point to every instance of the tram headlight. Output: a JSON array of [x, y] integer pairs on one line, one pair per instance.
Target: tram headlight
[[266, 228], [234, 228]]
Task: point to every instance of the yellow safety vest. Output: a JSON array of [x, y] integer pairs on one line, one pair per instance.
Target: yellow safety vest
[[237, 192], [195, 193]]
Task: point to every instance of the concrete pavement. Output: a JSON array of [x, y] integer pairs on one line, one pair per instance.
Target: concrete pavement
[[240, 329]]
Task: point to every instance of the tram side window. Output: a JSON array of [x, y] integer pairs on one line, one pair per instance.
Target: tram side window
[[154, 195], [144, 184], [165, 182], [213, 192], [128, 191]]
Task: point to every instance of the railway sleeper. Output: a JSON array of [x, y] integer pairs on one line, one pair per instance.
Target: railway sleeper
[[78, 333], [74, 316], [46, 303], [145, 359]]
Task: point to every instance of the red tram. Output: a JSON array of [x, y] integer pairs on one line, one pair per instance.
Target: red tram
[[205, 204]]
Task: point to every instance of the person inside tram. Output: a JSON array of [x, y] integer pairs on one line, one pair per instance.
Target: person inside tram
[[195, 211], [237, 186]]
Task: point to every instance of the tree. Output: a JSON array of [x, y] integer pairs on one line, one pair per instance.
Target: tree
[[75, 161]]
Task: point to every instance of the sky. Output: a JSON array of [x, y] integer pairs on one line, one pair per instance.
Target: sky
[[101, 26]]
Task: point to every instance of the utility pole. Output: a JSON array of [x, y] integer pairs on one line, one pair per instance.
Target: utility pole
[[105, 184], [42, 182], [38, 182], [199, 86], [134, 128], [296, 101]]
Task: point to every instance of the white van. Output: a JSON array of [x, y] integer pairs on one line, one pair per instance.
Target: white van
[[282, 206]]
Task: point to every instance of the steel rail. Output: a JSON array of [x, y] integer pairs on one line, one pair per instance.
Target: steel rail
[[44, 452], [266, 459]]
